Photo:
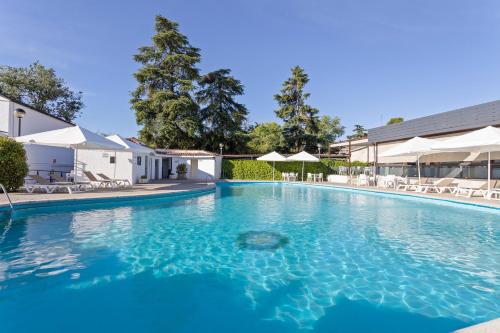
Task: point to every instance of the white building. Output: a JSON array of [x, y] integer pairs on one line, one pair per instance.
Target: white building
[[201, 165], [40, 158], [439, 126], [132, 163]]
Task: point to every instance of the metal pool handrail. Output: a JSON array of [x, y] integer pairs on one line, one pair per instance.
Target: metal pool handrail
[[7, 196]]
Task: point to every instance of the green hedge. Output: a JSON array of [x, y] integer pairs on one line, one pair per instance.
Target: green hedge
[[13, 166], [261, 170]]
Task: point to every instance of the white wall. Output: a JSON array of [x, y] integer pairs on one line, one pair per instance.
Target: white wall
[[207, 167], [98, 161], [39, 157]]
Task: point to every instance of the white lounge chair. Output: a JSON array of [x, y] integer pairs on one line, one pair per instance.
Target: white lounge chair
[[44, 185], [119, 182], [440, 186], [412, 184], [98, 183], [472, 187]]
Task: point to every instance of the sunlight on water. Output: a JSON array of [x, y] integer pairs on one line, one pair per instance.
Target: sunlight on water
[[434, 260]]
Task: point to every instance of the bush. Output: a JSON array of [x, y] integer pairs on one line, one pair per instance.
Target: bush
[[13, 166], [262, 170]]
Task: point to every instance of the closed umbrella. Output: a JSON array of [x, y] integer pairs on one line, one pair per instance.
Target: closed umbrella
[[484, 140], [414, 147], [272, 157], [304, 157]]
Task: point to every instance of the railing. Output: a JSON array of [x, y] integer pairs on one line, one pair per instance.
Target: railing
[[7, 196]]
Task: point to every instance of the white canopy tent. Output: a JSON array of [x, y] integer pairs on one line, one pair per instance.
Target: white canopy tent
[[484, 140], [414, 147], [75, 137], [272, 157], [303, 157]]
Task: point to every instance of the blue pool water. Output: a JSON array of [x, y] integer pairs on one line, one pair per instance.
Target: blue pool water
[[251, 258]]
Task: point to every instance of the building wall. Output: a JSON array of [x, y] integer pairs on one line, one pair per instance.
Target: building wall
[[41, 159], [207, 167], [98, 161]]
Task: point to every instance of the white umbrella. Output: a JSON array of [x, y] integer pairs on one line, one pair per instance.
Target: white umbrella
[[414, 147], [484, 140], [272, 157], [304, 157], [74, 137]]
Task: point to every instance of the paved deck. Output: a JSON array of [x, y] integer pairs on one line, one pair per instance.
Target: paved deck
[[492, 326], [136, 190]]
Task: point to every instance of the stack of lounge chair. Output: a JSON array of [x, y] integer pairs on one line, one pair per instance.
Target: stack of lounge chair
[[43, 184]]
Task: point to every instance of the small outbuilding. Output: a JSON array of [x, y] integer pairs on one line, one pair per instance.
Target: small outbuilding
[[200, 164]]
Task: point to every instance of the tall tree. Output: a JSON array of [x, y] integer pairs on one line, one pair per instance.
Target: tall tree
[[395, 120], [329, 129], [300, 120], [223, 118], [40, 87], [358, 132], [266, 137], [163, 100]]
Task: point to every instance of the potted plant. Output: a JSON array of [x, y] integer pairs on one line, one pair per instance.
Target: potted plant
[[181, 171], [143, 179]]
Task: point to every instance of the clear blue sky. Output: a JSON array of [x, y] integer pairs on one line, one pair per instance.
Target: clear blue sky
[[367, 60]]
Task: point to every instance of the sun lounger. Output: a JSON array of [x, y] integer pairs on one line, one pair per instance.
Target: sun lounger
[[470, 188], [48, 187], [98, 183], [412, 184], [61, 180], [440, 186], [122, 182]]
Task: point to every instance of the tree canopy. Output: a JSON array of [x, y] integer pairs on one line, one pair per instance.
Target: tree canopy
[[358, 132], [329, 129], [266, 137], [223, 118], [395, 120], [300, 119], [40, 87], [162, 101]]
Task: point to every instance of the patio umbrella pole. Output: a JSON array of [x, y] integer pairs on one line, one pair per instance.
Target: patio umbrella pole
[[273, 170], [418, 168], [76, 164], [489, 172], [303, 170]]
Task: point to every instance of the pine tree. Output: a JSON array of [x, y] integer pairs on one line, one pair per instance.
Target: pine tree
[[162, 101], [223, 118], [300, 126]]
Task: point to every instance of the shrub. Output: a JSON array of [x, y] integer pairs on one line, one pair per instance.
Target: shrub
[[262, 170], [181, 168], [13, 166]]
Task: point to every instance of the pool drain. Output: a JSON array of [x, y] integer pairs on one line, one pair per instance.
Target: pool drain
[[261, 240]]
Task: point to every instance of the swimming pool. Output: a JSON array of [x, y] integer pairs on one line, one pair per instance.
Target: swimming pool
[[251, 258]]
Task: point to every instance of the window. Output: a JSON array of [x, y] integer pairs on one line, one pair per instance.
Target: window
[[112, 159], [139, 160]]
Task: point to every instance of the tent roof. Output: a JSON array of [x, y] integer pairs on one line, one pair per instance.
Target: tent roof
[[272, 157], [482, 140], [129, 145], [412, 147], [71, 137], [303, 156]]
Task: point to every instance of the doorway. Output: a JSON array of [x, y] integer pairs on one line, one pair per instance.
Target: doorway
[[157, 168], [166, 167], [194, 169]]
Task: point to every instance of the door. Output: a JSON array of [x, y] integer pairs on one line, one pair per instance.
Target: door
[[166, 167], [194, 169], [157, 168]]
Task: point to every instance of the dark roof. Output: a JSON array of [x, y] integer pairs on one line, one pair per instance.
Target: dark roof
[[464, 119], [32, 108]]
